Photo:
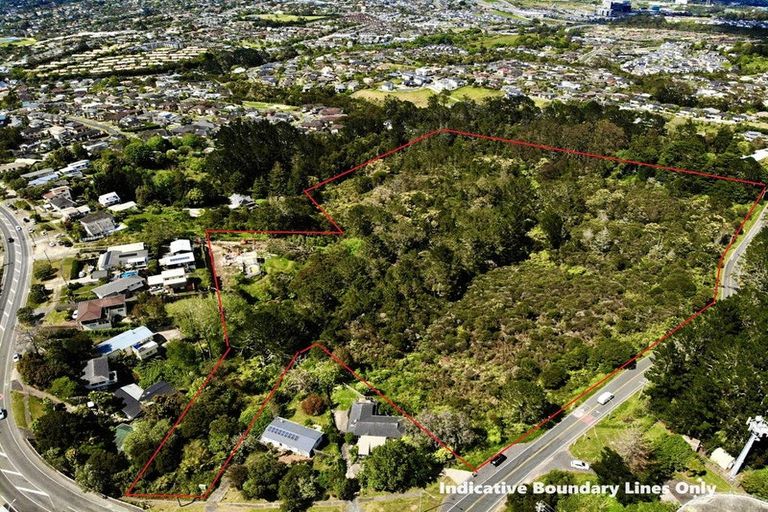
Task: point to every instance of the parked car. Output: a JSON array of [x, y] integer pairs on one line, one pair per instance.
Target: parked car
[[579, 464], [3, 414], [74, 315], [498, 460], [16, 357]]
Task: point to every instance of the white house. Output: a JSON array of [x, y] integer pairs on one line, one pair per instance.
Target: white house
[[109, 199]]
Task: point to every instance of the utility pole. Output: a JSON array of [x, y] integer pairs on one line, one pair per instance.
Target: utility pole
[[758, 428]]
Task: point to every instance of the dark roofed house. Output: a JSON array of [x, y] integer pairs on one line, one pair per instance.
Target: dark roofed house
[[134, 397], [60, 203], [98, 224], [290, 436], [365, 421]]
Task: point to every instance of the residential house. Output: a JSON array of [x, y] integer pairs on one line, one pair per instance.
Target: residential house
[[109, 199], [123, 256], [98, 225], [146, 350], [179, 255], [289, 436], [371, 428], [125, 341], [97, 375], [168, 281], [99, 313], [135, 398], [238, 200], [122, 286]]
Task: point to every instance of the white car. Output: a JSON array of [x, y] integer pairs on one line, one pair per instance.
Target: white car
[[18, 228], [3, 414], [74, 314], [579, 464], [16, 357], [604, 398]]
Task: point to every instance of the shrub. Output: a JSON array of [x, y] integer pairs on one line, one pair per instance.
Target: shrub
[[313, 404]]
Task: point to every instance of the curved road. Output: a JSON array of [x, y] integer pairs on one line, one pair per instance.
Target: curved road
[[527, 461], [27, 482]]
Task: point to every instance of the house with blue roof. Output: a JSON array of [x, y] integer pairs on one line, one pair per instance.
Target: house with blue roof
[[125, 341]]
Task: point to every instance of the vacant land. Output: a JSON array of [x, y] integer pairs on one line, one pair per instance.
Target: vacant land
[[420, 97]]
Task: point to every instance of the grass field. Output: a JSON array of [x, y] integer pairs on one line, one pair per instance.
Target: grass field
[[17, 409], [16, 41], [288, 18], [420, 97], [430, 499], [633, 414], [263, 105]]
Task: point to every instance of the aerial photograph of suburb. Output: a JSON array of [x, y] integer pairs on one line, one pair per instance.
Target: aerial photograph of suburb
[[383, 255]]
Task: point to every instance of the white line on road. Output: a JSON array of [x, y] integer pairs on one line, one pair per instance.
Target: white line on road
[[3, 455], [9, 472], [33, 491]]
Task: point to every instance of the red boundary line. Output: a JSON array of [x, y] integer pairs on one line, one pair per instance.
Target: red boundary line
[[339, 231]]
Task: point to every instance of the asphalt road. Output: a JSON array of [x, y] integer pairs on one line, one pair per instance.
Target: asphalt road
[[27, 482], [730, 282], [521, 466]]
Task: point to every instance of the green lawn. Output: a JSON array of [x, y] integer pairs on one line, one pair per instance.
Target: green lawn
[[474, 93], [429, 500], [634, 414], [631, 413], [302, 418], [343, 397], [279, 264], [289, 18], [37, 407], [17, 409], [17, 41], [420, 97], [263, 105], [84, 292], [56, 317]]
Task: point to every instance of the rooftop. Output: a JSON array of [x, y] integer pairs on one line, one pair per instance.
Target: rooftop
[[124, 340], [300, 439], [93, 309], [365, 421]]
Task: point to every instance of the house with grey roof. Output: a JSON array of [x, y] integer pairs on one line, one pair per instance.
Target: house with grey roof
[[99, 224], [122, 286], [364, 420], [289, 436], [97, 375], [371, 428], [135, 398]]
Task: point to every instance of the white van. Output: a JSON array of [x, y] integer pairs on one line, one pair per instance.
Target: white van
[[604, 398]]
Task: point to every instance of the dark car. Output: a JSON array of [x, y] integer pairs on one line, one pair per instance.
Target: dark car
[[498, 460], [10, 239]]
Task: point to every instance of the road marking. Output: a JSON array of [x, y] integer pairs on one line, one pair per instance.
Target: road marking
[[33, 491], [631, 380], [9, 472], [3, 455]]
